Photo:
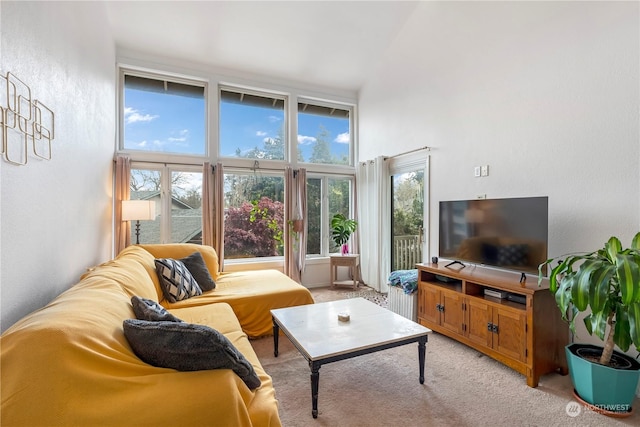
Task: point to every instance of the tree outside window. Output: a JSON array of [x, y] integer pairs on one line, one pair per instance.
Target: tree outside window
[[324, 134]]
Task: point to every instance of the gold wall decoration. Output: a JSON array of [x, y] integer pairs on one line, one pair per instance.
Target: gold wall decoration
[[24, 122]]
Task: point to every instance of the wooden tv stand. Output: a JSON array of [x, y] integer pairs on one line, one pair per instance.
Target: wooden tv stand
[[529, 337]]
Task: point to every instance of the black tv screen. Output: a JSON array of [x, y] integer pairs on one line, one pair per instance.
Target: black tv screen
[[508, 233]]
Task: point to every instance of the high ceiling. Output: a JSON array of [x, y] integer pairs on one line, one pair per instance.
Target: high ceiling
[[331, 44]]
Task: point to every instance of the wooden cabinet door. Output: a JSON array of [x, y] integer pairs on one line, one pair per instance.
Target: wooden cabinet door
[[510, 339], [428, 302], [452, 314], [479, 315]]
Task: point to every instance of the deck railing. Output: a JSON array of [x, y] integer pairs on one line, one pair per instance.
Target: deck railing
[[407, 252]]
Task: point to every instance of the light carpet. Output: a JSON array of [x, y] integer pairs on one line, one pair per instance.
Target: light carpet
[[462, 388]]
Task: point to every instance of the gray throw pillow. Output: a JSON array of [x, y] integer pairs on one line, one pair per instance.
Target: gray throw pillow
[[198, 269], [146, 309], [187, 347], [176, 280]]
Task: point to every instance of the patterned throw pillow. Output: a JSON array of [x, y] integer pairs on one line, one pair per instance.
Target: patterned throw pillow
[[198, 269], [514, 255], [146, 309], [187, 347], [176, 280]]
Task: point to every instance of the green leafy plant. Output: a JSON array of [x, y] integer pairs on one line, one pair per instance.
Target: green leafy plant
[[342, 228], [606, 283]]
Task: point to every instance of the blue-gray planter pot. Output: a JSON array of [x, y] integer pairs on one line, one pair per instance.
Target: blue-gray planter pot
[[608, 389]]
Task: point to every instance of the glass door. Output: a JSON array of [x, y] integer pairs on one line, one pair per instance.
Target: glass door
[[407, 228]]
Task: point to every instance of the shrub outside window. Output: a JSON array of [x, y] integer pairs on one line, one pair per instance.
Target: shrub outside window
[[254, 215]]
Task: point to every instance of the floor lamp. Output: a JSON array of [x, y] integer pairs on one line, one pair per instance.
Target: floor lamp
[[138, 210]]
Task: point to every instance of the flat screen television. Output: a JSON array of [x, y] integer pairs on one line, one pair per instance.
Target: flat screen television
[[510, 234]]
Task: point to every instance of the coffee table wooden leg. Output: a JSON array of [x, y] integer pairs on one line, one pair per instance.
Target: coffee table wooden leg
[[276, 334], [422, 345], [315, 384]]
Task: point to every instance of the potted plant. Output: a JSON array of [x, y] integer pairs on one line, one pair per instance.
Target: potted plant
[[605, 285], [341, 230]]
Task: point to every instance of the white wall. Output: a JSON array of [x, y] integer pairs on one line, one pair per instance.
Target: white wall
[[56, 215], [545, 93]]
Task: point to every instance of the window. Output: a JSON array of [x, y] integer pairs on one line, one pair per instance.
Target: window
[[161, 115], [407, 222], [254, 215], [324, 134], [252, 126], [179, 217], [320, 209], [314, 216], [164, 130]]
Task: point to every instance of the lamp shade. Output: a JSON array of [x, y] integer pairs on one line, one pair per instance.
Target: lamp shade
[[133, 210]]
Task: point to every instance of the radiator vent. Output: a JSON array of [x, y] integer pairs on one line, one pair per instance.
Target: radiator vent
[[403, 304]]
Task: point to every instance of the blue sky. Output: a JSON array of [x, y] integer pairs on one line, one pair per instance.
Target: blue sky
[[165, 123], [175, 124]]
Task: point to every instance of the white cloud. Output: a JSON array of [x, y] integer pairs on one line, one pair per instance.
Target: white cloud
[[343, 138], [273, 119], [184, 134], [306, 140], [133, 116], [261, 133]]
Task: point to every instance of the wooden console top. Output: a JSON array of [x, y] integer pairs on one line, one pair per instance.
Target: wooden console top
[[498, 279]]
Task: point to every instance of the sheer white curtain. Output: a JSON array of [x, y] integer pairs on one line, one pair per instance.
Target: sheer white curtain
[[374, 220]]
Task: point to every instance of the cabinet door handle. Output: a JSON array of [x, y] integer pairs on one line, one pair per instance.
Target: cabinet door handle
[[495, 329], [490, 327]]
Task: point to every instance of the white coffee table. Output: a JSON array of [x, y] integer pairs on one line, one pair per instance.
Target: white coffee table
[[321, 338]]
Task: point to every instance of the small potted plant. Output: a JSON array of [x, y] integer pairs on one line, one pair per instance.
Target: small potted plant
[[604, 284], [341, 230]]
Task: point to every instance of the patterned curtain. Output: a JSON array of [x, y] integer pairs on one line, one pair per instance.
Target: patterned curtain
[[122, 192]]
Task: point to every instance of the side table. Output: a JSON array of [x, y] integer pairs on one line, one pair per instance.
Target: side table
[[349, 260]]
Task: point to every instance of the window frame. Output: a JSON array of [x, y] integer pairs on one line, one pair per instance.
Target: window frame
[[262, 173], [338, 106], [212, 84], [240, 162], [158, 156], [325, 218], [165, 170]]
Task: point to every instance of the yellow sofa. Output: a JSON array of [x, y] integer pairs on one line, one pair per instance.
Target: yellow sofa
[[69, 363]]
